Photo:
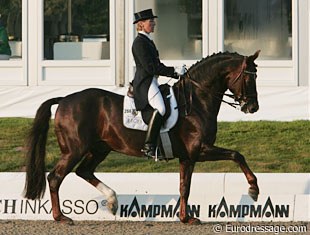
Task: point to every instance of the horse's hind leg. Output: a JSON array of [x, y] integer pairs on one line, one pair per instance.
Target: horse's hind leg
[[86, 171], [55, 178], [213, 153]]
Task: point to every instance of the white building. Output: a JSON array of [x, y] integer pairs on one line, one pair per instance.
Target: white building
[[44, 64]]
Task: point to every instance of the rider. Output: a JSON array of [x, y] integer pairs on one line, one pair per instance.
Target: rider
[[145, 84]]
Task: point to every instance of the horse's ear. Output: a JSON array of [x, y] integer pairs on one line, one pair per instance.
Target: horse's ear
[[254, 57]]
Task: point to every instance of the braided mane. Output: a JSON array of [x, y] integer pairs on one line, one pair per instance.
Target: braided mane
[[205, 68], [218, 56]]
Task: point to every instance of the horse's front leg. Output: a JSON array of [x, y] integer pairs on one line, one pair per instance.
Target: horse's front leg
[[186, 171], [213, 153]]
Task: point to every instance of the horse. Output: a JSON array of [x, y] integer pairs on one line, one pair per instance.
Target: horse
[[88, 125]]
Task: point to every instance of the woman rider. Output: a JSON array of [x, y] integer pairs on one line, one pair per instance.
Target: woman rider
[[145, 84]]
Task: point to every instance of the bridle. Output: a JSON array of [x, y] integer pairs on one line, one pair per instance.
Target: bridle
[[243, 95], [238, 100]]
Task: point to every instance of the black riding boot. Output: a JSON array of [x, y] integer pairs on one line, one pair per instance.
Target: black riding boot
[[152, 134]]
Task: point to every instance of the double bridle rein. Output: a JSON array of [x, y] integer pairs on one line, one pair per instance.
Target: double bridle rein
[[188, 105]]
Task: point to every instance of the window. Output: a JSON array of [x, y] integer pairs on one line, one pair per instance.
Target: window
[[264, 24], [11, 17], [76, 30], [178, 30]]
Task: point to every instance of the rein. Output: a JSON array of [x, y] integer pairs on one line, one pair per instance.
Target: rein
[[188, 106], [182, 88]]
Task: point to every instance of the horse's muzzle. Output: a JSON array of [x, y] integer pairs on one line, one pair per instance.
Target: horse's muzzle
[[249, 107]]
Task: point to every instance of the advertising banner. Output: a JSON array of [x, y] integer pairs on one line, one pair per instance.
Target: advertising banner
[[155, 197]]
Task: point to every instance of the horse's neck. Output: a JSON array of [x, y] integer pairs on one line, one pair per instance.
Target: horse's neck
[[210, 101], [205, 100]]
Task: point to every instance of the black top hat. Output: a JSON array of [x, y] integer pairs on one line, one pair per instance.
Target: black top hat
[[144, 15]]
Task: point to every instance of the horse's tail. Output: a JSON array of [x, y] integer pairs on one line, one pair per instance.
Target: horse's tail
[[35, 169]]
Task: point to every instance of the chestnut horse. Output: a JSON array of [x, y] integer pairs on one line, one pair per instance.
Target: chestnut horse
[[88, 125]]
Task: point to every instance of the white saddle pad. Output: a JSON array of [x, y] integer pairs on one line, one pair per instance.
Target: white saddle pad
[[133, 119]]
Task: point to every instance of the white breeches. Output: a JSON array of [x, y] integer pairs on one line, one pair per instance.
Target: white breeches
[[155, 98]]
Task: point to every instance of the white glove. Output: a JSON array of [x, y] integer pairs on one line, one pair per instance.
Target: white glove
[[180, 70]]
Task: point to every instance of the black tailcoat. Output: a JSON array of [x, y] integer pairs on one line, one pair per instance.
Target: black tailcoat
[[148, 65]]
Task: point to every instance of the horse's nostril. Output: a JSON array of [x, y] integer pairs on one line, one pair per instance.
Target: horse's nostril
[[254, 108]]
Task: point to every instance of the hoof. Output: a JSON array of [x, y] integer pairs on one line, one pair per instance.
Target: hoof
[[112, 205], [64, 220], [194, 221], [253, 193], [191, 221]]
